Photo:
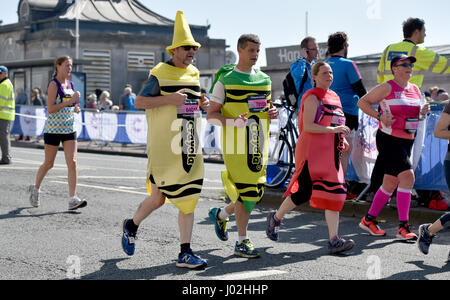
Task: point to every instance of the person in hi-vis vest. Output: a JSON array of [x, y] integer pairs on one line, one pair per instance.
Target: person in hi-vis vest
[[427, 60], [240, 103], [171, 98], [7, 114]]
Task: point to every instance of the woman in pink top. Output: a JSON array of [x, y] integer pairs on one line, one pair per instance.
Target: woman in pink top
[[399, 111]]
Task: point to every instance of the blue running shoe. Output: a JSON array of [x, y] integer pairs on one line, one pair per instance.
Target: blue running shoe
[[219, 224], [338, 245], [191, 261], [246, 249], [425, 238], [128, 239], [272, 227]]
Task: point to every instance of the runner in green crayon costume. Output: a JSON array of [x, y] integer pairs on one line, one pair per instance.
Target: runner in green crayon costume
[[240, 103], [245, 150]]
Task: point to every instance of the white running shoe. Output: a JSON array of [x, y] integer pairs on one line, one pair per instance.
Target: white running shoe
[[34, 196], [75, 203]]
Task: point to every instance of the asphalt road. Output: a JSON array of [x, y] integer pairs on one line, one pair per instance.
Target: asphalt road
[[51, 243]]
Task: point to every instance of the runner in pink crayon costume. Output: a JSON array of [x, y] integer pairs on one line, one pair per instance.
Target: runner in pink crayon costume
[[319, 176], [399, 112]]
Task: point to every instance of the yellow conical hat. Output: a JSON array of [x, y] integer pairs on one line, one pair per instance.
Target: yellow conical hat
[[182, 35]]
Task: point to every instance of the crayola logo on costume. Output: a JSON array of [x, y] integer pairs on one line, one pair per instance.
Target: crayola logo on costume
[[189, 143], [255, 144]]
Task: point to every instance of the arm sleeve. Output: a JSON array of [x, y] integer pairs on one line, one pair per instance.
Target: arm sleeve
[[382, 67], [429, 60], [151, 88], [359, 88]]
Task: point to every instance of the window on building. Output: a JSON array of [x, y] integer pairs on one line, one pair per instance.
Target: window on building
[[138, 61], [98, 72]]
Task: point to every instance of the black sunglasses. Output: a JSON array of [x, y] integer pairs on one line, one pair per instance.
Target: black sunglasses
[[187, 48], [406, 65]]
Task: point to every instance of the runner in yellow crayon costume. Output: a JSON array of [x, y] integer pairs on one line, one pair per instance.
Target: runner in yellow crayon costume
[[171, 98], [177, 171]]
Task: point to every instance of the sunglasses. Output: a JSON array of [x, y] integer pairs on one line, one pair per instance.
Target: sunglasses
[[188, 48], [406, 65]]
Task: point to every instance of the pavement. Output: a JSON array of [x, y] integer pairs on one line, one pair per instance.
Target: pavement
[[272, 197]]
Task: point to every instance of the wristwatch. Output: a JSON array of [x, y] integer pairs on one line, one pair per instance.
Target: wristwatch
[[379, 116]]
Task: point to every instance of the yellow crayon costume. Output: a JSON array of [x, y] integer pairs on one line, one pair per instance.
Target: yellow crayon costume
[[245, 150], [175, 161]]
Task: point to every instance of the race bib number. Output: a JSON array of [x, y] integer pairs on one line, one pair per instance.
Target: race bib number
[[257, 103], [190, 109], [68, 94], [338, 120], [411, 125]]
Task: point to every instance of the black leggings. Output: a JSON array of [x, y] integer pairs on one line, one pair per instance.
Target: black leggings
[[445, 218]]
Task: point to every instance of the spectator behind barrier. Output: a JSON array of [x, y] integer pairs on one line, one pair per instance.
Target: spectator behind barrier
[[92, 101], [105, 103]]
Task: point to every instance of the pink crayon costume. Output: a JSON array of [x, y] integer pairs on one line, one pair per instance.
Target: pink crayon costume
[[319, 176]]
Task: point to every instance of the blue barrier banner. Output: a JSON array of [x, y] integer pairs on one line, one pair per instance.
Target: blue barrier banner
[[430, 170], [123, 127]]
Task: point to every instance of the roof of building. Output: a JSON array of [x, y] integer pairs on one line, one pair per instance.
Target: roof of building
[[117, 11], [107, 11]]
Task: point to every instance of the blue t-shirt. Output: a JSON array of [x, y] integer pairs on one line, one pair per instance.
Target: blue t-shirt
[[128, 102], [297, 69], [345, 73]]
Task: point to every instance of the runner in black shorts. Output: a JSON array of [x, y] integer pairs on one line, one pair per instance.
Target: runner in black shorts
[[59, 128]]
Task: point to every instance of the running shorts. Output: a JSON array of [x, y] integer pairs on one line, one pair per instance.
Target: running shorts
[[55, 139], [394, 153]]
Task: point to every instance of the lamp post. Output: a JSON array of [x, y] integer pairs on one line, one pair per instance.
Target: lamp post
[[79, 5]]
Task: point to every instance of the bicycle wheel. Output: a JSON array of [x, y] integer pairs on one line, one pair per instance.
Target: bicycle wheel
[[280, 164]]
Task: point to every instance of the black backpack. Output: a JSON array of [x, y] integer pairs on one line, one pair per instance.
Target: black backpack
[[290, 92]]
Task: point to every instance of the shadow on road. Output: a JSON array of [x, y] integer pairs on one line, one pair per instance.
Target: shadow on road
[[17, 213]]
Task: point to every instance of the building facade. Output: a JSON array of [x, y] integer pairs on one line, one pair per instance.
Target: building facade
[[118, 43]]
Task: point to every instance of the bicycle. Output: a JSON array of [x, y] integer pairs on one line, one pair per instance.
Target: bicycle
[[281, 163]]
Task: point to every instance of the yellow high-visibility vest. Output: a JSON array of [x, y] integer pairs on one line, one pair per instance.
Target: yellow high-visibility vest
[[7, 100], [427, 61]]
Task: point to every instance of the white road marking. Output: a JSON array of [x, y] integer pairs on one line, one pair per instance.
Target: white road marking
[[248, 275], [104, 188], [121, 188]]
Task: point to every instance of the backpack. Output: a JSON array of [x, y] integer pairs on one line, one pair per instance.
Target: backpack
[[290, 92]]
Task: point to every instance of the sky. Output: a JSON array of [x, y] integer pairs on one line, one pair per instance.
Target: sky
[[371, 25]]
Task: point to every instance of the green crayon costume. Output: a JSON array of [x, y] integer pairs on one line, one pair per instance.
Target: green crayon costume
[[245, 150]]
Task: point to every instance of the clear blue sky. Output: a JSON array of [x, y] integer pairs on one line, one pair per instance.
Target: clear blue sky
[[370, 24]]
